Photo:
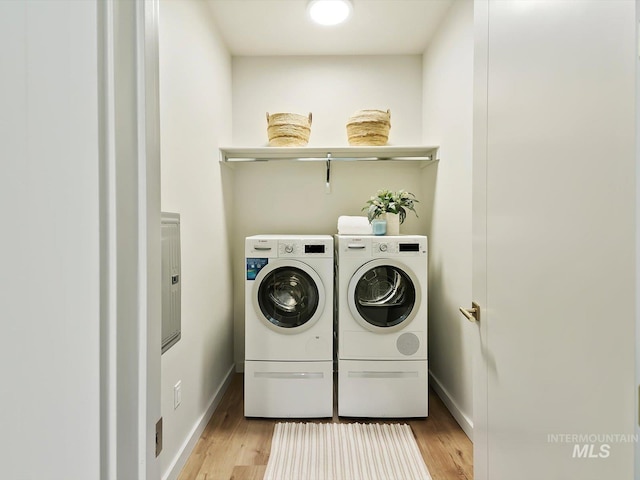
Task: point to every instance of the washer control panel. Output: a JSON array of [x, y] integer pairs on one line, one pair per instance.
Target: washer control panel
[[289, 246], [304, 248]]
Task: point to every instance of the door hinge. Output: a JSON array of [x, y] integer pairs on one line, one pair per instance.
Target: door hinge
[[159, 437]]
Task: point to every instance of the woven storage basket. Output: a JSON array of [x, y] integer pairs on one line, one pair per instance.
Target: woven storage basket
[[288, 129], [369, 127]]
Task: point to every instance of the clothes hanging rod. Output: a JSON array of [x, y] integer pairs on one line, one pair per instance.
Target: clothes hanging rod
[[320, 154], [324, 159]]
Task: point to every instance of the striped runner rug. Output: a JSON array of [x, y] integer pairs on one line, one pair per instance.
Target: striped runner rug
[[344, 451]]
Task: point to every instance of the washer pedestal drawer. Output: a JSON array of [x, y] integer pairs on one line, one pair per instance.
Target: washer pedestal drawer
[[288, 389], [382, 388]]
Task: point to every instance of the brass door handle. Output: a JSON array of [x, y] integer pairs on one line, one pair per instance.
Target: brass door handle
[[472, 314]]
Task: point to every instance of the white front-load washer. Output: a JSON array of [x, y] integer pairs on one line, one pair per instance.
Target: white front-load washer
[[381, 306], [289, 326]]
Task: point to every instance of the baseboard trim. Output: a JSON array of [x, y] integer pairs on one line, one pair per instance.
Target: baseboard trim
[[187, 447], [463, 420]]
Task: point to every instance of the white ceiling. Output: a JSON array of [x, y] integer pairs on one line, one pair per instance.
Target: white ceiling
[[282, 27]]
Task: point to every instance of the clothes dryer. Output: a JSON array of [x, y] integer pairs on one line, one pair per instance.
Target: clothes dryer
[[381, 306], [289, 326]]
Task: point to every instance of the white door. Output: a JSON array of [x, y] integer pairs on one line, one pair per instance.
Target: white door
[[554, 239]]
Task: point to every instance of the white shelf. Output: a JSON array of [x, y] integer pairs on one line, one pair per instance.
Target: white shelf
[[423, 155]]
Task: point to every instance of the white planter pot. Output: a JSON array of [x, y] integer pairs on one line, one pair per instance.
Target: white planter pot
[[393, 223]]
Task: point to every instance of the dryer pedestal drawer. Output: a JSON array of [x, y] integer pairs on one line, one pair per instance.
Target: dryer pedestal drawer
[[288, 389], [380, 388]]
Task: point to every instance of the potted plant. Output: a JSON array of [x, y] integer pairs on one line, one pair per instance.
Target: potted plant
[[392, 206]]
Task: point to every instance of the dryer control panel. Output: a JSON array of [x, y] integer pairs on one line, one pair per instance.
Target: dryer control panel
[[399, 248], [375, 246], [411, 247]]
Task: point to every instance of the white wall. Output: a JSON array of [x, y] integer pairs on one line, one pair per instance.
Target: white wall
[[289, 197], [332, 88], [50, 289], [195, 102], [448, 103]]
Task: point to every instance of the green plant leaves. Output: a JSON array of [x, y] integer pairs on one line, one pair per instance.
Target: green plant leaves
[[387, 201]]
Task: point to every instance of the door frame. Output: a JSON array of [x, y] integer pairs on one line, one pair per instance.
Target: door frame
[[479, 236], [637, 365], [130, 326]]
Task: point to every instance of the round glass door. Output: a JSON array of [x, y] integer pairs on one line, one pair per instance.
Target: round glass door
[[288, 297], [383, 295]]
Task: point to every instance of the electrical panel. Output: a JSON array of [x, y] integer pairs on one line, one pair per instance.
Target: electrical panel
[[171, 280]]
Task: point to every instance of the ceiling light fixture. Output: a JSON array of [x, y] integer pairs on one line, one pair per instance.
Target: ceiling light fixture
[[329, 12]]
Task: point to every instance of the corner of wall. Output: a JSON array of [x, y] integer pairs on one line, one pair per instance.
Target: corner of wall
[[195, 110], [447, 122]]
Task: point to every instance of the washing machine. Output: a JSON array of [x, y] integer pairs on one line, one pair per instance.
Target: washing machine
[[381, 315], [289, 326]]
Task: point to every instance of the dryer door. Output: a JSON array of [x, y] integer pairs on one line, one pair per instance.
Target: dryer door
[[384, 295], [288, 296]]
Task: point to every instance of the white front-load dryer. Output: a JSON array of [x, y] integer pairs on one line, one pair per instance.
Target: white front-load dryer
[[381, 305], [289, 326]]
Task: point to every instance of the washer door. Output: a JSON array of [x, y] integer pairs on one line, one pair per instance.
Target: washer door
[[384, 295], [288, 296]]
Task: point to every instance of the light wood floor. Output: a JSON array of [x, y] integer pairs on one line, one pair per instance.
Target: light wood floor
[[233, 447]]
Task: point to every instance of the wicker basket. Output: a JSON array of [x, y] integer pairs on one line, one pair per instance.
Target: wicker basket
[[369, 127], [288, 129]]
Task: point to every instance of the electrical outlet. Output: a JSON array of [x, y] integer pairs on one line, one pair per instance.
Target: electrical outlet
[[177, 394]]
